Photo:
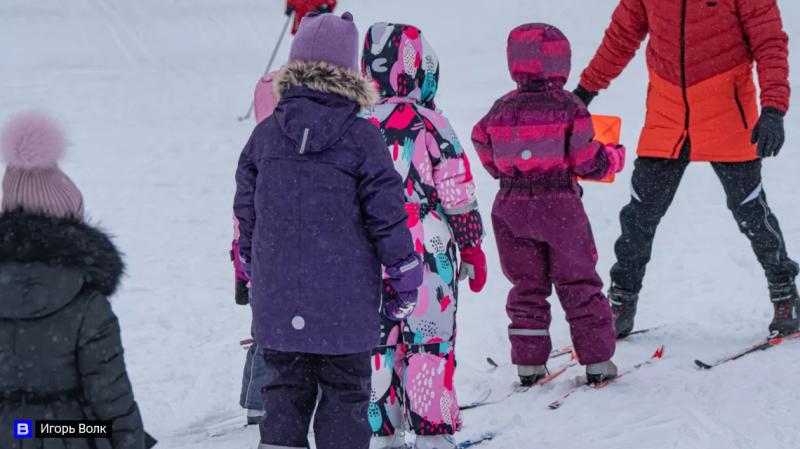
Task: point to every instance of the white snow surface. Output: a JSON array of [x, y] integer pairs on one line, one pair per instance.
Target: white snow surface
[[149, 91]]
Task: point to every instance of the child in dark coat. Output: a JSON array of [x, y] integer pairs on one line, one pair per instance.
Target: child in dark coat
[[537, 140], [320, 209], [61, 357]]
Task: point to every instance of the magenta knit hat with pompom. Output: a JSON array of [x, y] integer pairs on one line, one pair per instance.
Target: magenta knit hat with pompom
[[32, 146]]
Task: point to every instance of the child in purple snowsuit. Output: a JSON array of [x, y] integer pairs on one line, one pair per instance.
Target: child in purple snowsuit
[[320, 209], [537, 140]]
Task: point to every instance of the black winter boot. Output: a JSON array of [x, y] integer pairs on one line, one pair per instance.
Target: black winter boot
[[787, 308], [530, 375], [623, 304], [597, 373]]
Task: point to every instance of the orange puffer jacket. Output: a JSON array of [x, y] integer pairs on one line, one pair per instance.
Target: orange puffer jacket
[[700, 57]]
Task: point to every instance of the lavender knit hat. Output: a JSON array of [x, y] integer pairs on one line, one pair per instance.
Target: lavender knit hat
[[32, 146], [327, 38]]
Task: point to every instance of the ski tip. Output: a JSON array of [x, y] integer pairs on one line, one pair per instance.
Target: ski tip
[[491, 362], [470, 443], [555, 405], [702, 365], [659, 354]]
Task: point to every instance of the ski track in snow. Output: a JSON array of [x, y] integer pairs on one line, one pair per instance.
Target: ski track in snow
[[149, 92]]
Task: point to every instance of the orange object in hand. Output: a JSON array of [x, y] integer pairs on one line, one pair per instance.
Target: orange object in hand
[[607, 129]]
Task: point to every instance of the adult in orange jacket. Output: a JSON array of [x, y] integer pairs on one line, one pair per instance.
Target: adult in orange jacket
[[701, 106]]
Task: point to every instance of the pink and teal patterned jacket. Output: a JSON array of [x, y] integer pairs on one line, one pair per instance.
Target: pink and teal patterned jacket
[[540, 132], [426, 150]]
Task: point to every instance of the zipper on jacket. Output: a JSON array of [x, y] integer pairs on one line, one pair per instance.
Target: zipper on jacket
[[678, 146], [741, 108]]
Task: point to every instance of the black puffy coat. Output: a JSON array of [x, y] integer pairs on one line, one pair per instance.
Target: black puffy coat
[[60, 351]]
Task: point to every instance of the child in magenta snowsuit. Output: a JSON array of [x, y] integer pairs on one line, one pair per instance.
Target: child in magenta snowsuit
[[537, 140]]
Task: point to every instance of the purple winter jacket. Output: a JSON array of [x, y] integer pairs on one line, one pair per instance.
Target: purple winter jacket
[[320, 208]]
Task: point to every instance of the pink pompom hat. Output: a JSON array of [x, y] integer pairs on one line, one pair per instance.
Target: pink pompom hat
[[32, 145]]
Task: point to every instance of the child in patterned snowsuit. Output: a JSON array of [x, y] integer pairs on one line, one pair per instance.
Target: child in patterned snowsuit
[[537, 140], [412, 383]]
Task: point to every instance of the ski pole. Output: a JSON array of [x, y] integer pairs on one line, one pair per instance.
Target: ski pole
[[269, 64]]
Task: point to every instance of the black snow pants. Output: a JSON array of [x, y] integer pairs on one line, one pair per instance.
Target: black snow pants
[[654, 184], [290, 395]]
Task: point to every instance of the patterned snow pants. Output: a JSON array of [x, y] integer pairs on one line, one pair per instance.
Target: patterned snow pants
[[413, 368]]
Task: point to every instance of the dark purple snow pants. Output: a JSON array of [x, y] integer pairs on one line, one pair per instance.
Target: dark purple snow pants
[[544, 239], [290, 395]]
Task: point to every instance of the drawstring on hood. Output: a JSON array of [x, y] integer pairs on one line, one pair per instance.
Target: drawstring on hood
[[539, 57], [402, 64]]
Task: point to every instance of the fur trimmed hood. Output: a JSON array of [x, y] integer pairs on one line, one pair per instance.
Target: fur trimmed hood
[[326, 78], [61, 244]]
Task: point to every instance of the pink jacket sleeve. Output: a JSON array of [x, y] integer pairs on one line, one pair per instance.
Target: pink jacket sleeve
[[482, 142], [264, 98], [455, 185]]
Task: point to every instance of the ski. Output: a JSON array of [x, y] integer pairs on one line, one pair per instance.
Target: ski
[[554, 354], [640, 332], [658, 355], [477, 403], [762, 346], [568, 350], [482, 439], [226, 432], [561, 352], [520, 389]]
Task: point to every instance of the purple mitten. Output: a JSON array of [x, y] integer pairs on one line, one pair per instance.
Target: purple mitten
[[404, 280]]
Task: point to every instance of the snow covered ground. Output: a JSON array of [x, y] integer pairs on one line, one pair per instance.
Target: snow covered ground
[[149, 92]]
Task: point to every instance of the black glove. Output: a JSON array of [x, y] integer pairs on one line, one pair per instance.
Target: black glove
[[242, 292], [584, 94], [769, 133], [289, 10]]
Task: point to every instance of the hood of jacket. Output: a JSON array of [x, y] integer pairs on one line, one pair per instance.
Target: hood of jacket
[[400, 61], [45, 262], [318, 102], [539, 56]]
